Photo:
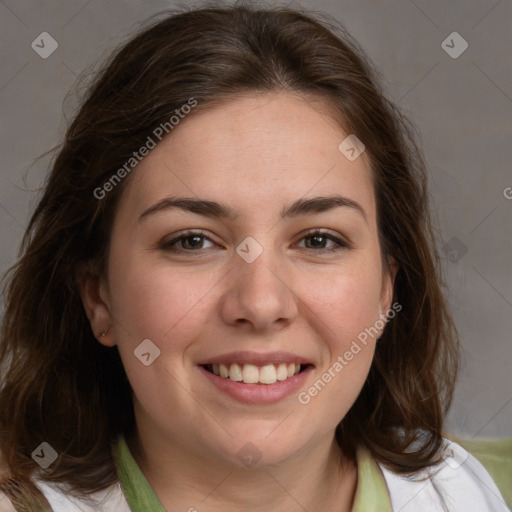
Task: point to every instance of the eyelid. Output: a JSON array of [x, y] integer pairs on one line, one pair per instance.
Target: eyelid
[[342, 242], [166, 243], [334, 236]]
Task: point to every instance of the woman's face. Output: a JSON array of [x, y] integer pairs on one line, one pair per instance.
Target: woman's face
[[255, 289]]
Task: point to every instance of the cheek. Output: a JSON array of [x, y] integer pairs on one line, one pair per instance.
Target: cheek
[[151, 301], [168, 308], [345, 301], [344, 311]]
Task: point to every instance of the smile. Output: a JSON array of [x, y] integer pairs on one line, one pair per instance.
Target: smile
[[252, 374], [256, 377]]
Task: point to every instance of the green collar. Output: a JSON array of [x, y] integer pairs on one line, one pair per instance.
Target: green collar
[[371, 493], [137, 491]]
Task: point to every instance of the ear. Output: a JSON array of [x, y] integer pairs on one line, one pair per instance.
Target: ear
[[388, 283], [95, 297]]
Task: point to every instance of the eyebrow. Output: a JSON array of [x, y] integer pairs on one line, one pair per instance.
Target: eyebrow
[[303, 206]]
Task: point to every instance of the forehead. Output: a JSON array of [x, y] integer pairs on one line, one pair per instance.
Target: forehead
[[255, 152]]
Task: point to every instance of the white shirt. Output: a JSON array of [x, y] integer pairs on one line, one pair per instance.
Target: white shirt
[[460, 485]]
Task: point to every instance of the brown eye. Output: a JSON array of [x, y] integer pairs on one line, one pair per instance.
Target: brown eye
[[186, 242], [319, 239], [192, 241]]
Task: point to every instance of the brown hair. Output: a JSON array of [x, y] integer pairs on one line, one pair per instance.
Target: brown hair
[[60, 385]]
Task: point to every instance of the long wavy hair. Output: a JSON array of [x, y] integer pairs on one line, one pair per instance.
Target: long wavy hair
[[59, 385]]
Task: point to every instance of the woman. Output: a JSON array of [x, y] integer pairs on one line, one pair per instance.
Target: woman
[[228, 295]]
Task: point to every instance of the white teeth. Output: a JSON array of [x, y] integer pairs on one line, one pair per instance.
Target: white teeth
[[268, 374], [252, 374], [235, 372], [282, 372], [224, 371]]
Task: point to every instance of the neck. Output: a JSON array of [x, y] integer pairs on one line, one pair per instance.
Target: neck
[[321, 478]]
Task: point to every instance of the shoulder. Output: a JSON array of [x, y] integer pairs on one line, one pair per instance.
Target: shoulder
[[496, 457], [5, 504], [109, 500], [460, 484]]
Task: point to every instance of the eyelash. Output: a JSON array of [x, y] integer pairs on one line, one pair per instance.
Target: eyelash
[[168, 245]]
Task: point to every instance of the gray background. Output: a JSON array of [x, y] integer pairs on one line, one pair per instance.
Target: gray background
[[461, 106]]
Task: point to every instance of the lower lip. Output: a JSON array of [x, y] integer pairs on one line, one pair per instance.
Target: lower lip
[[258, 393]]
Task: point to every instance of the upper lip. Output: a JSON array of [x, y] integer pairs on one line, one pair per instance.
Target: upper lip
[[256, 358]]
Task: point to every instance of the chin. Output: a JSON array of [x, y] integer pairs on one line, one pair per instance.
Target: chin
[[261, 449]]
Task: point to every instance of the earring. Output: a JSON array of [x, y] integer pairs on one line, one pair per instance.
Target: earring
[[102, 333]]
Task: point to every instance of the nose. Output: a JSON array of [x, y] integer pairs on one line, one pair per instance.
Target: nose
[[259, 296]]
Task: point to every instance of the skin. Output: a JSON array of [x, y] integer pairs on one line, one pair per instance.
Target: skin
[[257, 154]]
